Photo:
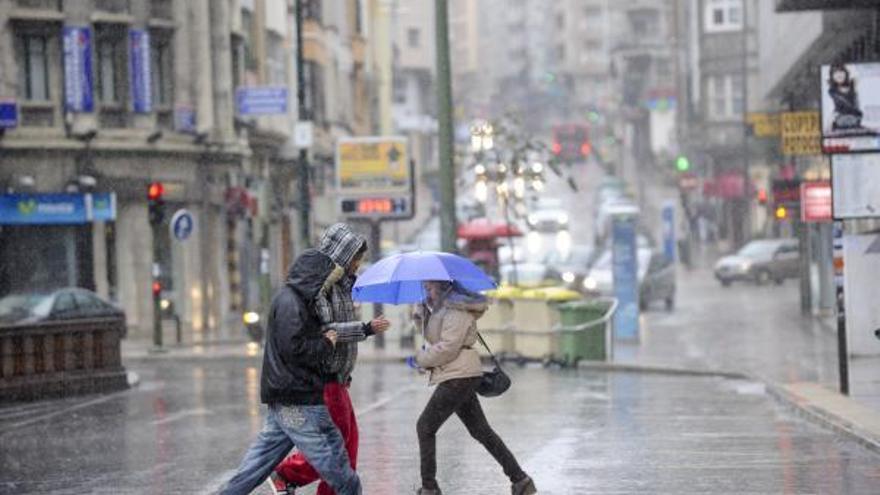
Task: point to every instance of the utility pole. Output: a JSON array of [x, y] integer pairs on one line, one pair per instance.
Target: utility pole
[[305, 206], [445, 131]]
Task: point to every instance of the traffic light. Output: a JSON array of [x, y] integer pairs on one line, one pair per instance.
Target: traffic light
[[762, 196], [781, 212], [682, 164], [155, 193]]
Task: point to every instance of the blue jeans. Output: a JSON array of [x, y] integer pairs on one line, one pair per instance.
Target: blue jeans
[[311, 430]]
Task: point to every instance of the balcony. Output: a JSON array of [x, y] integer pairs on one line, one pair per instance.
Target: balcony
[[799, 5]]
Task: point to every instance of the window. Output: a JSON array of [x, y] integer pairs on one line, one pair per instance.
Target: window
[[314, 76], [725, 96], [112, 72], [276, 74], [161, 68], [311, 9], [560, 53], [412, 36], [723, 15], [32, 58]]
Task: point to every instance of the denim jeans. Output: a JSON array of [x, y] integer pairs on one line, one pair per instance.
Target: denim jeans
[[311, 430]]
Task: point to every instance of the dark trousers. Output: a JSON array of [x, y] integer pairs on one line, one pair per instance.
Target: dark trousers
[[459, 396]]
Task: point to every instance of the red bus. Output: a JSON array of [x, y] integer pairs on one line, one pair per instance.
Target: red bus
[[571, 142]]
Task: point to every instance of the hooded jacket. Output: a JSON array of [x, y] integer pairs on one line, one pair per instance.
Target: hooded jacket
[[336, 307], [451, 332], [296, 350]]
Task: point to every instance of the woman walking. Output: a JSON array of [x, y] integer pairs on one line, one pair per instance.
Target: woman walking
[[455, 368]]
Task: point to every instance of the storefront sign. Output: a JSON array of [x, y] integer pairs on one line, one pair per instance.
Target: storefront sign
[[56, 209], [850, 107], [261, 100], [8, 113], [78, 96], [855, 185], [816, 202], [139, 55], [800, 133], [764, 124], [625, 275]]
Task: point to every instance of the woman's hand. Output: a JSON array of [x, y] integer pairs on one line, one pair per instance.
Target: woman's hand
[[380, 324]]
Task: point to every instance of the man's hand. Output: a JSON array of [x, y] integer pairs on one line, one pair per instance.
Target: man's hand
[[331, 336], [380, 324]]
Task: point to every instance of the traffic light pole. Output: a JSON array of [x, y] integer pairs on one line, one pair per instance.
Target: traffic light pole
[[157, 294], [305, 205], [444, 118]]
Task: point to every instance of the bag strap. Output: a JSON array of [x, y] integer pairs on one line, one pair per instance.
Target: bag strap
[[494, 359]]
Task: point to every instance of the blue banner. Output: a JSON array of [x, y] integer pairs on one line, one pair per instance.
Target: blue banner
[[139, 56], [8, 113], [56, 209], [667, 215], [264, 100], [626, 280], [78, 96]]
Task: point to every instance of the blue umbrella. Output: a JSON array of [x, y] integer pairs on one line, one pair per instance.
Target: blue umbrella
[[398, 279]]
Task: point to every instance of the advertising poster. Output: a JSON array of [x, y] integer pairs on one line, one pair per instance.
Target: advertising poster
[[625, 276], [850, 107], [855, 185], [141, 92], [78, 95]]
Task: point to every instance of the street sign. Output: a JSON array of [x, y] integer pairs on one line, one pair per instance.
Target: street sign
[[816, 202], [139, 70], [303, 135], [374, 178], [78, 96], [688, 181], [764, 124], [855, 185], [182, 225], [624, 258], [800, 133], [8, 113], [261, 100], [850, 99]]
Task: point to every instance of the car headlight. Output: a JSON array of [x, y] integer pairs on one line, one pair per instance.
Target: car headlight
[[745, 266], [590, 283], [251, 318], [164, 304], [568, 277], [533, 219], [563, 219]]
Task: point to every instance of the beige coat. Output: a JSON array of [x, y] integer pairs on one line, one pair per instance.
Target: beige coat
[[451, 334]]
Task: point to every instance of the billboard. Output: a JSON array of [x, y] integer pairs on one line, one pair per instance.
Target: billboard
[[850, 107], [374, 177], [855, 185]]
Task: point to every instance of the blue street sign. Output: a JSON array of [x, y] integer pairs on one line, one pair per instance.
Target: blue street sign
[[667, 215], [78, 96], [8, 113], [263, 100], [625, 275], [56, 209], [139, 50], [182, 225]]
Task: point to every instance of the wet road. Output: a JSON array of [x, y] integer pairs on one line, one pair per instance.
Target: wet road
[[186, 426]]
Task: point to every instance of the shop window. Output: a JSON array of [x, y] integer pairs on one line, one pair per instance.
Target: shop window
[[32, 58]]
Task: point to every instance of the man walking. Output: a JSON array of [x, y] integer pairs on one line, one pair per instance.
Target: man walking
[[292, 384], [337, 312]]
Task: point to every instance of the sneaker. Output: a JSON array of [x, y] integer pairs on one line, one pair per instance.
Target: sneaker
[[279, 485], [524, 486]]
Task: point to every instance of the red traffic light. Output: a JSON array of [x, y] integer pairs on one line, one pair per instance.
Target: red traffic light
[[157, 288], [155, 191], [762, 196], [586, 148], [557, 148]]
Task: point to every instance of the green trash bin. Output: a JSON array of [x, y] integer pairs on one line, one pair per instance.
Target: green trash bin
[[577, 339]]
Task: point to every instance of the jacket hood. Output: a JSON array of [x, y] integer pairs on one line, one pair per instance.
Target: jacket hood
[[310, 273], [475, 304], [341, 244]]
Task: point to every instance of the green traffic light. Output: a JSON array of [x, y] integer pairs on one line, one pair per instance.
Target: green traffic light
[[682, 164]]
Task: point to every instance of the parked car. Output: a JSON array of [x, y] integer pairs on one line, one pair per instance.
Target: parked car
[[530, 275], [761, 261], [656, 277], [60, 305]]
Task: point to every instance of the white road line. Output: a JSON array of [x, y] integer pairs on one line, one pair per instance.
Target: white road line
[[59, 412], [385, 401], [182, 415]]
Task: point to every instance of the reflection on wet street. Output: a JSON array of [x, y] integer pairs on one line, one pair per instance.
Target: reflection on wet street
[[185, 427]]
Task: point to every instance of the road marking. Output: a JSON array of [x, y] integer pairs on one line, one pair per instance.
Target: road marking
[[62, 411], [182, 415], [385, 401]]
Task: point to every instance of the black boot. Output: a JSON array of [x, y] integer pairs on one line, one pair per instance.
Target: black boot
[[429, 491], [524, 486]]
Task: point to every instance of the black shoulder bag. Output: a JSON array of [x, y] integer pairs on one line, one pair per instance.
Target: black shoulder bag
[[495, 382]]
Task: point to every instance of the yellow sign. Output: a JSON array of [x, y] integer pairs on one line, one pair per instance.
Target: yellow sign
[[373, 165], [764, 124], [800, 133]]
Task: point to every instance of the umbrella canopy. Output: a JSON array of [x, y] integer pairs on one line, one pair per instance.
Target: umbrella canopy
[[483, 228], [398, 279]]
